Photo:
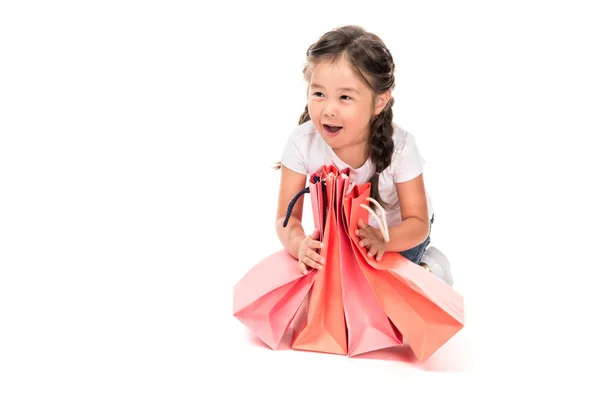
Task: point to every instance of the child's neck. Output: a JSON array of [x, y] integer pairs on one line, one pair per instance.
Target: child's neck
[[355, 156]]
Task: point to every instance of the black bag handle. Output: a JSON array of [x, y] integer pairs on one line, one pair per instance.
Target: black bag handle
[[304, 191]]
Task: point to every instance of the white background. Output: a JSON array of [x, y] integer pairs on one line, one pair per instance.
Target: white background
[[136, 140]]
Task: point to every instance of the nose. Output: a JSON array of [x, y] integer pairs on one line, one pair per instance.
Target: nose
[[330, 110]]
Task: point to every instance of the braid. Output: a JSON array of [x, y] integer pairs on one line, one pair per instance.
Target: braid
[[382, 147], [304, 117]]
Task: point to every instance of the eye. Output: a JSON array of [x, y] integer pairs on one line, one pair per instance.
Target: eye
[[347, 97], [317, 94]]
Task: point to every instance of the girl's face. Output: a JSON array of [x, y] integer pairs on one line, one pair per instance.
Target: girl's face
[[340, 104]]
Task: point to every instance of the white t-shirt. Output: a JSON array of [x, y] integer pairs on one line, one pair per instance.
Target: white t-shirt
[[306, 152]]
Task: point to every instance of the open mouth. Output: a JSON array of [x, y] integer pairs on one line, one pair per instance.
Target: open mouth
[[332, 130]]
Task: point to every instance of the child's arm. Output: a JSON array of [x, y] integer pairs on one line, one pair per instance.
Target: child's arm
[[292, 235], [414, 228]]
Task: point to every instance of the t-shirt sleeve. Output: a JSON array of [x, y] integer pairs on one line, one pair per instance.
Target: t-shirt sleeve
[[292, 158], [407, 160]]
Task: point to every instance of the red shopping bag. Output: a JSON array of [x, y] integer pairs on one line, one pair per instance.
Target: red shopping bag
[[368, 326], [426, 310], [268, 297], [325, 329]]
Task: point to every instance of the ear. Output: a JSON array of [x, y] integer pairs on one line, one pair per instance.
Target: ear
[[381, 101]]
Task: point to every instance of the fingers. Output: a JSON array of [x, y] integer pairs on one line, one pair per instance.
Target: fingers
[[303, 268], [314, 244], [306, 264], [312, 241], [315, 258], [363, 230], [365, 242], [301, 257], [376, 253], [374, 250], [380, 254], [309, 262], [308, 258]]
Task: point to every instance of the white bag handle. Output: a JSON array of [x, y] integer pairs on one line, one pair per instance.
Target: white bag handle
[[382, 225]]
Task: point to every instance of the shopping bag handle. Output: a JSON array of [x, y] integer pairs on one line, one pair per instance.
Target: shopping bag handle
[[382, 226], [382, 222], [304, 191]]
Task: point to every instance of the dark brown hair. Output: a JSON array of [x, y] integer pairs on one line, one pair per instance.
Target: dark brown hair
[[373, 63]]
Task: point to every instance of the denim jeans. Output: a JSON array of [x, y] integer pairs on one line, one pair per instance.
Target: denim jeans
[[416, 253]]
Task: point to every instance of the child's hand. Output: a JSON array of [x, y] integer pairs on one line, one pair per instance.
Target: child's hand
[[308, 257], [371, 239]]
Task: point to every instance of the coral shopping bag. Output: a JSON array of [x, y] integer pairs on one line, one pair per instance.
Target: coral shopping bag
[[325, 329], [368, 326], [426, 310]]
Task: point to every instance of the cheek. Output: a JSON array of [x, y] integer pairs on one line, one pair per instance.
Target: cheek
[[352, 117], [361, 117], [314, 112], [313, 108]]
